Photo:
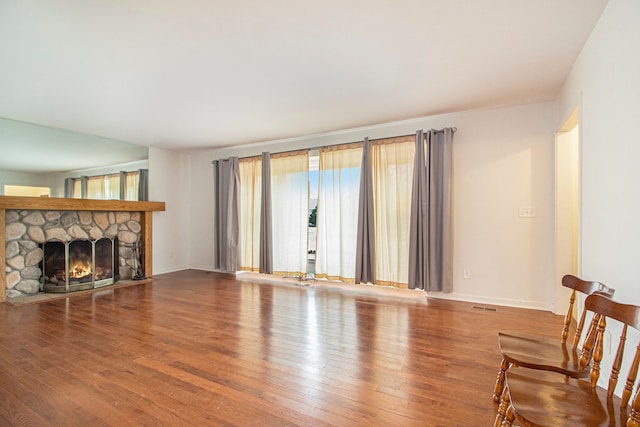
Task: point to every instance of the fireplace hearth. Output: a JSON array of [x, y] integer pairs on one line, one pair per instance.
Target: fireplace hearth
[[79, 264]]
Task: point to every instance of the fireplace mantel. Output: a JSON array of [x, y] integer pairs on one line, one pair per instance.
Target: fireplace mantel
[[61, 204]]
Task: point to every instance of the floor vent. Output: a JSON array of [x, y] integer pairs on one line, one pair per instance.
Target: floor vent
[[479, 307]]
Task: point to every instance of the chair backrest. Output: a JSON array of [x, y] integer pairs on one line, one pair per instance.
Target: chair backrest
[[587, 288], [628, 315]]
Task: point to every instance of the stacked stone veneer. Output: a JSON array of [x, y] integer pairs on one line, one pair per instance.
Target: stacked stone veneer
[[27, 230]]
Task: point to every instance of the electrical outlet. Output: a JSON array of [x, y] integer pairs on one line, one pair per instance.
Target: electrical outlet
[[527, 212], [466, 273]]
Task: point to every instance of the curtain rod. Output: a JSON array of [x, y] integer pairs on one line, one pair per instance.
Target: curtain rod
[[453, 129]]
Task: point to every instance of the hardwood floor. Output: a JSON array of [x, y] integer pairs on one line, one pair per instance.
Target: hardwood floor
[[201, 348]]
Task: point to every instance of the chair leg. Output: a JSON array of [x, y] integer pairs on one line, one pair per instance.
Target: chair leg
[[497, 392], [509, 418], [502, 410], [634, 417]]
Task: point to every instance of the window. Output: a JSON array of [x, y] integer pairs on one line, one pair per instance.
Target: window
[[392, 169], [321, 193], [250, 193], [290, 210], [116, 186], [337, 213]]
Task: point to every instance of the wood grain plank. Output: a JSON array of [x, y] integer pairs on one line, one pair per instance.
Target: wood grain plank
[[147, 243], [63, 204], [3, 261]]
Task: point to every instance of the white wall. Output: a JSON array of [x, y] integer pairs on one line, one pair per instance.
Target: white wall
[[503, 159], [202, 220], [169, 182], [605, 84]]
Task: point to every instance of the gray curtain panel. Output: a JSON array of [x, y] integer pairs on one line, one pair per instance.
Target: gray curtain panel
[[68, 188], [84, 180], [123, 185], [365, 246], [419, 230], [439, 146], [143, 184], [266, 240], [431, 237], [227, 214]]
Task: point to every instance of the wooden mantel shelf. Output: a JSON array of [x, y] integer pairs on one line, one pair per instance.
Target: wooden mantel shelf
[[61, 204]]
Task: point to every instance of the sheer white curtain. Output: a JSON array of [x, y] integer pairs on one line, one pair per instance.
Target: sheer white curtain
[[290, 211], [131, 186], [250, 197], [95, 187], [112, 187], [337, 216], [392, 167], [77, 189]]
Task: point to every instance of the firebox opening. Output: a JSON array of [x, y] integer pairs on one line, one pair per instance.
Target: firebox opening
[[79, 264], [80, 268]]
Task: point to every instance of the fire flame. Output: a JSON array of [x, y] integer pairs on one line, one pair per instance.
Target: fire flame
[[79, 270]]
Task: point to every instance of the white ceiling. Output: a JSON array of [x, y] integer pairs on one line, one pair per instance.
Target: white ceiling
[[190, 74]]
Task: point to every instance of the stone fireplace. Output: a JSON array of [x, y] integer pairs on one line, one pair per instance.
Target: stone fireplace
[[42, 238], [54, 251]]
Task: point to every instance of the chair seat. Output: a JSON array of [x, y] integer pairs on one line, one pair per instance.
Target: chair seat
[[551, 400], [541, 353]]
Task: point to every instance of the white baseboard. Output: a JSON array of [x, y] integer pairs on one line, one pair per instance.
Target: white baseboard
[[170, 269], [509, 302], [206, 268]]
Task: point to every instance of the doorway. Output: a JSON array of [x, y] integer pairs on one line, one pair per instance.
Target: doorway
[[567, 208]]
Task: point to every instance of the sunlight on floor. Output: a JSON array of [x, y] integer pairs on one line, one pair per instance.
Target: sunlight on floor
[[330, 284]]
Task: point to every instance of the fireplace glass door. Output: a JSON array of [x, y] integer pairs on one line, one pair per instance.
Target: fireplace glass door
[[79, 264]]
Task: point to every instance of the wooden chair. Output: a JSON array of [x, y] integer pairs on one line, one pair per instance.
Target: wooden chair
[[548, 354], [542, 398]]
